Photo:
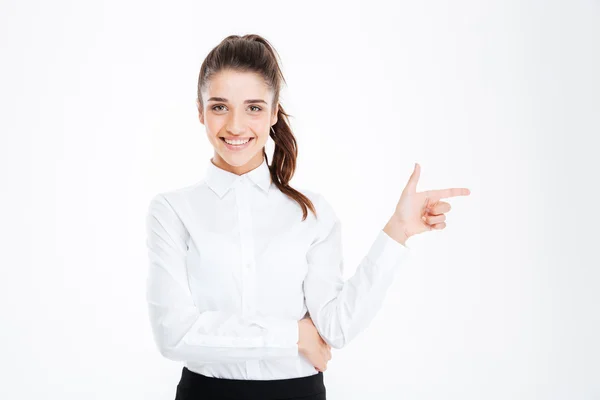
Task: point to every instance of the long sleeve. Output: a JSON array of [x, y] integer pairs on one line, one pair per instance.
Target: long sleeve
[[183, 333], [341, 310]]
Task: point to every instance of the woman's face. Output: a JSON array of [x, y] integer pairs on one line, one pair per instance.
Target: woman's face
[[237, 106]]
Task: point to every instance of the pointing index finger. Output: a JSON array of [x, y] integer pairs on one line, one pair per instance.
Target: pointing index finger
[[445, 193]]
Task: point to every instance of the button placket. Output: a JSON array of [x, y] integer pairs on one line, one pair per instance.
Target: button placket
[[245, 219], [242, 197]]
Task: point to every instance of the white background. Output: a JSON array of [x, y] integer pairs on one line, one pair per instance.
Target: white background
[[97, 103]]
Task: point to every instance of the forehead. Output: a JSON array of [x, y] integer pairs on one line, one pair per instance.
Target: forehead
[[237, 86]]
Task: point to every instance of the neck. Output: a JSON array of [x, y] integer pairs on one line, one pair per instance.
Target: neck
[[253, 163]]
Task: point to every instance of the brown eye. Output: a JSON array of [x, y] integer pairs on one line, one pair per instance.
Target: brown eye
[[256, 107], [220, 105]]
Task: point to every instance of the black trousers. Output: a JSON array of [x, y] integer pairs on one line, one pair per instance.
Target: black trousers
[[200, 387]]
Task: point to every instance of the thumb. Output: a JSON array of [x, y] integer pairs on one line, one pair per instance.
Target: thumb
[[411, 186]]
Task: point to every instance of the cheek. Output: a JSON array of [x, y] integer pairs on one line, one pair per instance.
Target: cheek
[[213, 127], [258, 124], [259, 127]]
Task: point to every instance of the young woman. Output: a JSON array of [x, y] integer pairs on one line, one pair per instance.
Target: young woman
[[245, 285]]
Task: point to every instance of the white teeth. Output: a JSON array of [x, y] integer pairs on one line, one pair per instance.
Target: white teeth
[[237, 142]]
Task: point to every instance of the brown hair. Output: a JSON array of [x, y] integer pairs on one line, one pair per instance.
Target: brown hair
[[253, 53]]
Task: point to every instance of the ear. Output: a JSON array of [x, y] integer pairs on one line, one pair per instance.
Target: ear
[[200, 112], [274, 116]]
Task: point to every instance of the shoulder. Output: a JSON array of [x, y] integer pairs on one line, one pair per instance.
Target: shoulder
[[312, 195], [324, 208], [175, 199]]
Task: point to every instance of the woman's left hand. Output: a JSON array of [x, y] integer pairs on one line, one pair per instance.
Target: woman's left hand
[[420, 212]]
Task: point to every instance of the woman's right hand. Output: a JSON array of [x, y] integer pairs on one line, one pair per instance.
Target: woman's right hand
[[312, 346]]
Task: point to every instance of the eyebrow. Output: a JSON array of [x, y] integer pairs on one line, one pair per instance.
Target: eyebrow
[[245, 102]]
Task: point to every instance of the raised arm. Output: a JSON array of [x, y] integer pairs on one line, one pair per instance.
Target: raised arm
[[341, 310], [181, 331]]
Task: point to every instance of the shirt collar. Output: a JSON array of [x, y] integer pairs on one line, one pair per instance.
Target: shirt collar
[[220, 181]]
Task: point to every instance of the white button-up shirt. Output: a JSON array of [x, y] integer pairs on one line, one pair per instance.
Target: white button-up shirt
[[233, 268]]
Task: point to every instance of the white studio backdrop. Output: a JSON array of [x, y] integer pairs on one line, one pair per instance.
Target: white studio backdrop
[[502, 97]]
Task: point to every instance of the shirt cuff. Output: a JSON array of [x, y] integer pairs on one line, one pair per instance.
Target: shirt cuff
[[387, 252]]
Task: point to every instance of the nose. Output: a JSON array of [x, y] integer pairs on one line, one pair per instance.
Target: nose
[[236, 123]]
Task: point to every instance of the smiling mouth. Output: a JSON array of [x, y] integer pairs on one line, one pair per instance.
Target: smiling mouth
[[249, 140]]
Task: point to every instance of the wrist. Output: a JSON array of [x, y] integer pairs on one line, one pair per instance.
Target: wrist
[[299, 343], [397, 231]]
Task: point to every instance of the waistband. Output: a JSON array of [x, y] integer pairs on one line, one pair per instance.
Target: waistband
[[192, 383]]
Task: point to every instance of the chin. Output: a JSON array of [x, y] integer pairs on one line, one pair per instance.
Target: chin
[[237, 160]]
